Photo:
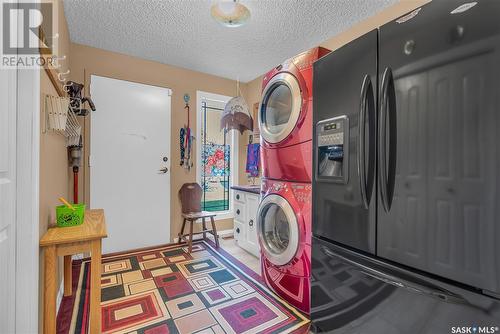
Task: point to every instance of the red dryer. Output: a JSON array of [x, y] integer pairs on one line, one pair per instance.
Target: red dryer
[[284, 229], [285, 118]]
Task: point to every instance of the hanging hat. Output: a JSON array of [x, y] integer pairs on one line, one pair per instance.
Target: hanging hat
[[236, 115]]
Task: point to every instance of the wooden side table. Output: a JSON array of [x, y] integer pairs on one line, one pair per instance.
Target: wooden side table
[[66, 241]]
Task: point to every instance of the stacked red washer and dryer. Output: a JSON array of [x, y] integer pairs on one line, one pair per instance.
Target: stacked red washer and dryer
[[284, 215]]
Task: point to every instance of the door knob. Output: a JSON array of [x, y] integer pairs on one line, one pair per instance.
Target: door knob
[[163, 170]]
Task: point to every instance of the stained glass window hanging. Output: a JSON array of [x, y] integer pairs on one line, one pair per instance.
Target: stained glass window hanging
[[215, 158]]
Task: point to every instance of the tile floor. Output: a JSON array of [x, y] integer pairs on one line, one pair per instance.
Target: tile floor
[[230, 246]]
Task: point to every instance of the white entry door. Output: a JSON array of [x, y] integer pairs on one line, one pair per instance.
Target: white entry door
[[7, 199], [130, 162]]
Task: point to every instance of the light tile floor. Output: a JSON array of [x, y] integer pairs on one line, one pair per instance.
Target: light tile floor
[[230, 246]]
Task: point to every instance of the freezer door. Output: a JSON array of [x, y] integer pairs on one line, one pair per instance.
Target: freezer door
[[344, 115], [439, 157], [351, 293]]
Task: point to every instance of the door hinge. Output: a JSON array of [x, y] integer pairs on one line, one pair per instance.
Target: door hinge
[[90, 162]]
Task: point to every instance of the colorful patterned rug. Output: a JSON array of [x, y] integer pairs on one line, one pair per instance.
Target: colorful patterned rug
[[167, 290]]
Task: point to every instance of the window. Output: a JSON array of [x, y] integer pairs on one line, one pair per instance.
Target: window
[[217, 153]]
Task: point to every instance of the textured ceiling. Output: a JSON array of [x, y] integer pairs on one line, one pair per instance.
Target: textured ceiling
[[182, 33]]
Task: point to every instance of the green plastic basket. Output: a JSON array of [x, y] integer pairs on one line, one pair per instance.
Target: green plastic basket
[[67, 217]]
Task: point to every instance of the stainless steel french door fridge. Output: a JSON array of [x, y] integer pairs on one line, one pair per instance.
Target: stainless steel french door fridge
[[406, 188]]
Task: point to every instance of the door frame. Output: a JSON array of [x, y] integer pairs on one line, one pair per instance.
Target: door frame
[[27, 200], [27, 184]]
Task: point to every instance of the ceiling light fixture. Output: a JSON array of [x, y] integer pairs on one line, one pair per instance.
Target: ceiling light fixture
[[230, 13]]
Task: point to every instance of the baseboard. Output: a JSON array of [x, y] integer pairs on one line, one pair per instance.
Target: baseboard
[[225, 232], [210, 236]]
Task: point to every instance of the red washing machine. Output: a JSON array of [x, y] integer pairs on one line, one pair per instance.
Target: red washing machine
[[284, 229], [285, 118]]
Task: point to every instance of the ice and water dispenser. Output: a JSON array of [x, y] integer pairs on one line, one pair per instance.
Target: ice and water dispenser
[[332, 152]]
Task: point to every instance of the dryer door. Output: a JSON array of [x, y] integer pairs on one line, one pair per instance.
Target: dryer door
[[278, 229], [280, 107]]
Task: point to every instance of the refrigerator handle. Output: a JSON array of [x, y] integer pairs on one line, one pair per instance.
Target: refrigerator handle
[[406, 283], [367, 104], [387, 160]]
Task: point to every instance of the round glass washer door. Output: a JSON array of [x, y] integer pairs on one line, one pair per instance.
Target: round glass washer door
[[280, 107], [278, 229]]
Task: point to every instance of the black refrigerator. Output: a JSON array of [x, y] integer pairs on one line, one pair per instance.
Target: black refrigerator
[[406, 186]]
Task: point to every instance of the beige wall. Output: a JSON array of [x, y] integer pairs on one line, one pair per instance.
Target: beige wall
[[251, 92], [54, 174], [63, 40], [87, 61], [54, 170]]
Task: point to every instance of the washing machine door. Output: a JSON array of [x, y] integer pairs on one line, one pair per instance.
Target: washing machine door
[[280, 107], [278, 230]]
